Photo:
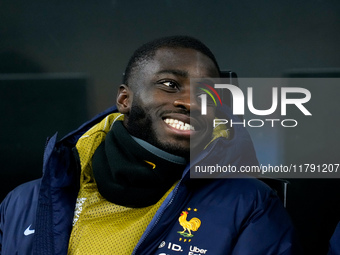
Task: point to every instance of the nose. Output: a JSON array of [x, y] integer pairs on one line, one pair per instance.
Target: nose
[[187, 101]]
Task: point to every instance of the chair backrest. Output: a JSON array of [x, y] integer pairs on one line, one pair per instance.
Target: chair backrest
[[280, 186], [225, 93]]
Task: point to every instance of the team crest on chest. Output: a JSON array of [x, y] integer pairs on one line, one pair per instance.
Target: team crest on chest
[[188, 224]]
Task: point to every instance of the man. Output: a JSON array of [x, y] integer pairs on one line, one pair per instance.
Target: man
[[120, 184]]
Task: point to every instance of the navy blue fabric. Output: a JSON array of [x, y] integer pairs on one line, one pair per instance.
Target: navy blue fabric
[[17, 213], [238, 216], [334, 243]]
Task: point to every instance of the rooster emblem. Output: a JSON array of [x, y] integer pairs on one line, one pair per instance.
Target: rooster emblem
[[191, 225]]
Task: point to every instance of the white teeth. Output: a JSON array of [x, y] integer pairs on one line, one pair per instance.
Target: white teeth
[[180, 125]]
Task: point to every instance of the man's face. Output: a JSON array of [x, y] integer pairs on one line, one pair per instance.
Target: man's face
[[164, 109]]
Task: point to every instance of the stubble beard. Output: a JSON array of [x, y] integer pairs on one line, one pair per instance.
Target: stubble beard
[[140, 125]]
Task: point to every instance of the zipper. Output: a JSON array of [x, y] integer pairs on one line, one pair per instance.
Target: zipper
[[169, 203], [158, 218], [44, 157]]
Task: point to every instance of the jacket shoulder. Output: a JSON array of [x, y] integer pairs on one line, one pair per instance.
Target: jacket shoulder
[[22, 195], [17, 212], [248, 189]]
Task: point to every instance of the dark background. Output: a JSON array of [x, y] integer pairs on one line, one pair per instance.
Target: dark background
[[91, 42]]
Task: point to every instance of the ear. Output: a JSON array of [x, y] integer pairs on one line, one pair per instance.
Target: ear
[[124, 99]]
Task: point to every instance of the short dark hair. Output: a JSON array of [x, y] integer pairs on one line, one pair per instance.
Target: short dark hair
[[148, 50]]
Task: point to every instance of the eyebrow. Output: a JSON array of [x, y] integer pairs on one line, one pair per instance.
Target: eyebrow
[[174, 72]]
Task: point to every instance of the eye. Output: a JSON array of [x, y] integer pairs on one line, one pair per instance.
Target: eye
[[170, 84]]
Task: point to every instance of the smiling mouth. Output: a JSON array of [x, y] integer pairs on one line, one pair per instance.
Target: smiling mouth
[[180, 125]]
